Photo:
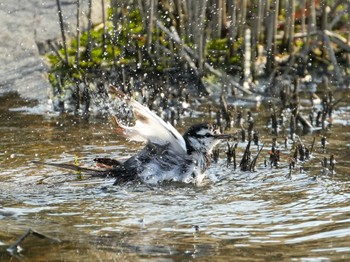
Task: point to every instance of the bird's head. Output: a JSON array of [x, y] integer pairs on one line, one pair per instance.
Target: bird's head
[[203, 137]]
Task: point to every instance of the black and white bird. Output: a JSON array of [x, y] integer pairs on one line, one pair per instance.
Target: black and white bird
[[167, 157]]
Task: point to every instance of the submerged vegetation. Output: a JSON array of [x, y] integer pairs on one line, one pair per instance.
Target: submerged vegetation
[[159, 47]]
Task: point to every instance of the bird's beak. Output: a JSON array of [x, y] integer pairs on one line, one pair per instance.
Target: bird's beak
[[222, 136]]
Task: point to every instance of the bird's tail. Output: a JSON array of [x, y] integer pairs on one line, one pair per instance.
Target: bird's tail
[[90, 171]]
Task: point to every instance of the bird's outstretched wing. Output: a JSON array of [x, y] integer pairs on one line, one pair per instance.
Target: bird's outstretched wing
[[148, 126]]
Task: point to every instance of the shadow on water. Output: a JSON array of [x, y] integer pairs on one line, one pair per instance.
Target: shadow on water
[[262, 215]]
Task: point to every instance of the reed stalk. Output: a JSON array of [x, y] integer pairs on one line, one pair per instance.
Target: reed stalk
[[219, 14], [216, 37], [269, 42], [291, 9], [150, 24], [77, 57], [242, 16], [200, 35], [64, 41], [89, 28], [348, 35], [104, 33], [232, 26]]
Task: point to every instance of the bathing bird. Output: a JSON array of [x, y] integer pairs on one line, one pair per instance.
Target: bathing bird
[[167, 156]]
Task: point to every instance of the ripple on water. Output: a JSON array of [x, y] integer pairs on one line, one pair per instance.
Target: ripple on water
[[255, 215]]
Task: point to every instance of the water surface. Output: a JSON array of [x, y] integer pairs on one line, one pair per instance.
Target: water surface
[[238, 216]]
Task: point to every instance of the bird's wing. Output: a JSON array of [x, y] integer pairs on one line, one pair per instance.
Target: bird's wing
[[148, 126]]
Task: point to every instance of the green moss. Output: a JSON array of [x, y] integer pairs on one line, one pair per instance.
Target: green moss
[[235, 59], [218, 44]]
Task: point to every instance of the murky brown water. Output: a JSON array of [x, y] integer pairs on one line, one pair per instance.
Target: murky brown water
[[260, 216]]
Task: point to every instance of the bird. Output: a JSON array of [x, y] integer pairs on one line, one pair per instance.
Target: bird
[[167, 156]]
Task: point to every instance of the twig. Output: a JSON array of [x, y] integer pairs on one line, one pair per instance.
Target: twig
[[89, 42], [150, 19], [77, 58], [54, 49], [104, 33], [189, 54], [225, 111], [337, 70], [312, 145], [13, 249], [245, 162], [62, 31], [252, 165]]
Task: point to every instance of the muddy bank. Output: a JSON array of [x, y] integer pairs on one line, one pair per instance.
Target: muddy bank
[[25, 28]]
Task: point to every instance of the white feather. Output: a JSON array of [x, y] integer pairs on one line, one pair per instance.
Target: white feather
[[151, 128]]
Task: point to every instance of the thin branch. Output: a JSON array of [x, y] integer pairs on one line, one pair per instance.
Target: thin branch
[[62, 31]]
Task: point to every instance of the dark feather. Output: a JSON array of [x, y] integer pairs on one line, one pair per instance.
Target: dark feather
[[121, 173], [91, 171], [108, 162]]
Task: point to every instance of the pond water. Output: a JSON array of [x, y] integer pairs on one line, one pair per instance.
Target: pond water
[[238, 216]]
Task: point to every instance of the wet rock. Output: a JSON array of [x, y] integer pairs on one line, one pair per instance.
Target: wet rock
[[26, 26]]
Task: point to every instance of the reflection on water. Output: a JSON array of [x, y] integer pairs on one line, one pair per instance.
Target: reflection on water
[[234, 216]]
